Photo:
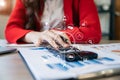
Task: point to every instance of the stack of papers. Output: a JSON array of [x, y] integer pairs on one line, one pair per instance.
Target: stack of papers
[[44, 65]]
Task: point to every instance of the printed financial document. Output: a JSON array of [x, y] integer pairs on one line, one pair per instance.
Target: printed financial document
[[45, 65]]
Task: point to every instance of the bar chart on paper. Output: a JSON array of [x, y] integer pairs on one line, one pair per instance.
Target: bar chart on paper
[[45, 65]]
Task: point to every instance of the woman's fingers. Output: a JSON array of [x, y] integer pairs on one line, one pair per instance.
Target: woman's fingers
[[37, 43], [54, 38], [64, 37], [58, 39], [51, 41]]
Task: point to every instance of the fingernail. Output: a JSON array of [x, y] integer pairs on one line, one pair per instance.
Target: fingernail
[[56, 47], [66, 45]]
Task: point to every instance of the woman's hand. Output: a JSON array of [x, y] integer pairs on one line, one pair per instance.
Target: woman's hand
[[53, 37]]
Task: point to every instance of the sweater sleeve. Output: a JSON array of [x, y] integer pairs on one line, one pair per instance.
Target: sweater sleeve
[[15, 27], [89, 30]]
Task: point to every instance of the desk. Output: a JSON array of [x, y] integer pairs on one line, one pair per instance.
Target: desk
[[13, 68]]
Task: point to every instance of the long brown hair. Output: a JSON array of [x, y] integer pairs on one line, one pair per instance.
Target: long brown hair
[[32, 7]]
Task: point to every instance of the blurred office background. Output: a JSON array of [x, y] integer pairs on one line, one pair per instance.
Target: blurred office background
[[109, 13]]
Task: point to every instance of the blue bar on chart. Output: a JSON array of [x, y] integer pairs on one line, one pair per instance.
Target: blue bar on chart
[[58, 66], [106, 59], [93, 62], [75, 64]]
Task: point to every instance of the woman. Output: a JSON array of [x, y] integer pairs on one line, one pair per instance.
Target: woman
[[36, 21]]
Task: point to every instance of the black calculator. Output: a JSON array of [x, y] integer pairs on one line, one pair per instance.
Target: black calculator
[[71, 54]]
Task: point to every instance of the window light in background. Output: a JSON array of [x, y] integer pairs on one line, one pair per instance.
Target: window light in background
[[2, 4], [5, 7]]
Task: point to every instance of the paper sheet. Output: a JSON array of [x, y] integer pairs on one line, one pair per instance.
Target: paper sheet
[[44, 65]]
